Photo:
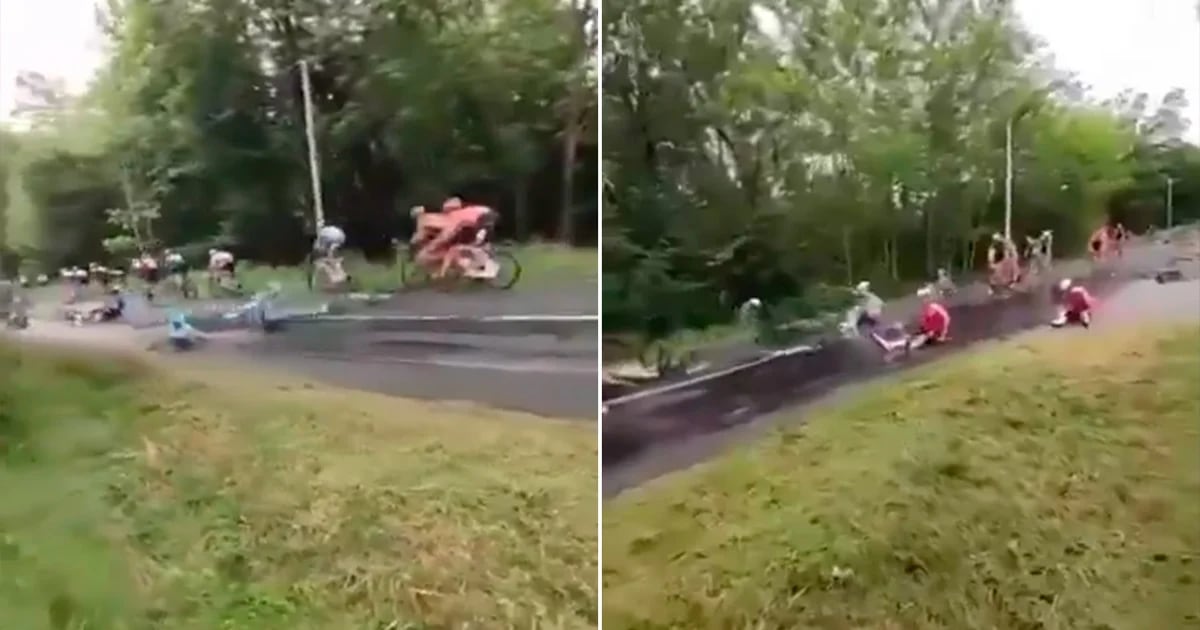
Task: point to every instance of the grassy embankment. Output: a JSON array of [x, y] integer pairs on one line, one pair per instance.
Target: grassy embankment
[[1047, 483], [542, 265], [216, 499]]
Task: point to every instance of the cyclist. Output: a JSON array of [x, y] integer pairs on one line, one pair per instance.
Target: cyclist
[[1075, 304], [934, 326], [330, 239], [428, 226], [867, 311], [1118, 235], [1003, 262], [112, 309], [461, 233], [1099, 242], [221, 263], [944, 284], [180, 333]]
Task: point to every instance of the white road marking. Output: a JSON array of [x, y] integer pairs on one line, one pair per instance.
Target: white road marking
[[656, 391]]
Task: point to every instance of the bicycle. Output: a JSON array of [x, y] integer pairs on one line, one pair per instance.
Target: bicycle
[[492, 272], [327, 274]]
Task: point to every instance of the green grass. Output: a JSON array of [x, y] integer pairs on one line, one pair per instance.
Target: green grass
[[213, 498], [1050, 483], [543, 265]]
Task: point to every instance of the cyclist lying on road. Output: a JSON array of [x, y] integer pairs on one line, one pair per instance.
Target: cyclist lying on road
[[867, 310], [1075, 305], [934, 326]]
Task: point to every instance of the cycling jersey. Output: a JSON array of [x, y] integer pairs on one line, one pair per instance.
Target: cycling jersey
[[220, 260], [1077, 300], [935, 321]]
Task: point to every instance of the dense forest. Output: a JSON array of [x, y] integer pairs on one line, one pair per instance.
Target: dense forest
[[769, 149], [194, 130]]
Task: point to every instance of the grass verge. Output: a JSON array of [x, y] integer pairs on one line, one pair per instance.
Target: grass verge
[[1049, 483], [542, 265], [209, 499]]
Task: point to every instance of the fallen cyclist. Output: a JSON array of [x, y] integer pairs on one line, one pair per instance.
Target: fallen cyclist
[[1075, 306], [112, 309], [180, 332], [866, 312], [934, 325]]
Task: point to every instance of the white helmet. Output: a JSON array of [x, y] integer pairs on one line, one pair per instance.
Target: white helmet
[[862, 287], [212, 252], [925, 291], [1064, 284], [996, 236]]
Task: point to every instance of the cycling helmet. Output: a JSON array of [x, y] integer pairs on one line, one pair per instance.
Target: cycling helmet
[[862, 287], [925, 291], [1064, 284], [996, 236], [453, 203], [212, 252], [416, 211]]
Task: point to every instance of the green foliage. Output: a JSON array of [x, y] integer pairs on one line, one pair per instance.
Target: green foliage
[[198, 113], [753, 150]]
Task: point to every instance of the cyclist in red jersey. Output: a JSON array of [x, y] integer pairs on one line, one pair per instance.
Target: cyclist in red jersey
[[1076, 304], [934, 325], [466, 227]]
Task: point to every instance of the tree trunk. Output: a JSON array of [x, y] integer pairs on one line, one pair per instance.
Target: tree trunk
[[848, 254], [521, 211], [566, 217]]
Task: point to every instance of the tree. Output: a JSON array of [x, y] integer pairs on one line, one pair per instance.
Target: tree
[[198, 111], [765, 150]]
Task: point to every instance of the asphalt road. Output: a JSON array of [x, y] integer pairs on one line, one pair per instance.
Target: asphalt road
[[665, 428], [546, 366]]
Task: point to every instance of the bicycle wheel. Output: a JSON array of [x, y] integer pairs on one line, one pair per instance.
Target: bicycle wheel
[[508, 272]]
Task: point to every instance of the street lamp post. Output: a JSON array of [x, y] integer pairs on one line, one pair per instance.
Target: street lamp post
[[310, 134], [1008, 178], [1170, 202]]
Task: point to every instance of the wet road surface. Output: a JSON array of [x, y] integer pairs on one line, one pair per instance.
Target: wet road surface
[[666, 428], [431, 345]]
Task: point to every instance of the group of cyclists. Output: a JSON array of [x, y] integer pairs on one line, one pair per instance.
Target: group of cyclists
[[1007, 266], [443, 242], [1075, 303]]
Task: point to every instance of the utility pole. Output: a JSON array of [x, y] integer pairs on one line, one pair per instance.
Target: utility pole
[[313, 168], [1170, 202], [1008, 178]]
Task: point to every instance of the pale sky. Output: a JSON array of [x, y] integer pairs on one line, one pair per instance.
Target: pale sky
[[1147, 45]]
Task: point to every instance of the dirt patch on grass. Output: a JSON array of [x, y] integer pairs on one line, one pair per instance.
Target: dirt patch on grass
[[208, 499], [1048, 483]]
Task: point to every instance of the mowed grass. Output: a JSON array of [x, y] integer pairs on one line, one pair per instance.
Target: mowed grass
[[543, 265], [217, 499], [1050, 483]]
